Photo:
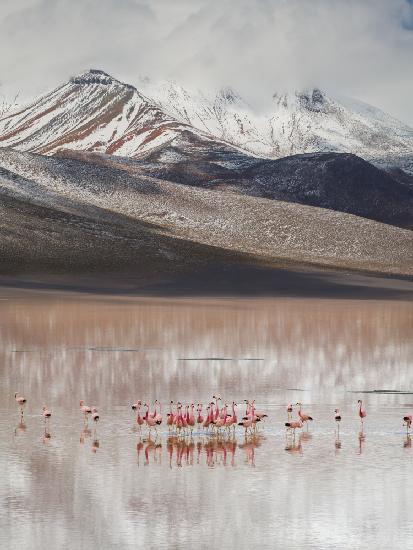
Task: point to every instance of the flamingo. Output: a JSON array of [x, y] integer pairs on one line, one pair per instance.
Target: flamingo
[[95, 415], [170, 417], [407, 420], [222, 418], [139, 419], [304, 417], [362, 412], [199, 418], [247, 423], [158, 416], [337, 418], [191, 418], [232, 419], [294, 425], [216, 414], [21, 401], [259, 414], [207, 420], [46, 413], [150, 421], [84, 409]]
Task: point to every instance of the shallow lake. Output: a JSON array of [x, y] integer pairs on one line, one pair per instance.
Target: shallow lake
[[69, 485]]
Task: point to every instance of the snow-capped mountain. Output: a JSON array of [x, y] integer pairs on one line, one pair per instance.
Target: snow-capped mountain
[[298, 122], [97, 113], [91, 112]]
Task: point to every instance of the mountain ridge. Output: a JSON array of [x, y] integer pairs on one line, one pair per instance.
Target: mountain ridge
[[95, 112]]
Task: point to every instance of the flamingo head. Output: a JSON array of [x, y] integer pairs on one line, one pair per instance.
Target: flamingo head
[[336, 410], [360, 401], [298, 404], [16, 394], [44, 408], [81, 402], [94, 410]]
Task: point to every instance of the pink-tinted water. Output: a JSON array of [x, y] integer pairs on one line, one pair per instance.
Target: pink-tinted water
[[69, 486]]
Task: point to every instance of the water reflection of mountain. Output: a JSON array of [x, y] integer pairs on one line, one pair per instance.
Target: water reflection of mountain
[[116, 349]]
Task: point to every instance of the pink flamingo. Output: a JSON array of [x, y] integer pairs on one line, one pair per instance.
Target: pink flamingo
[[305, 418], [170, 417], [208, 419], [191, 418], [222, 418], [150, 421], [259, 414], [232, 419], [139, 420], [294, 425], [95, 415], [21, 401], [199, 418], [154, 413], [216, 414], [407, 422], [362, 412], [179, 418], [247, 424], [84, 409], [158, 416], [46, 413]]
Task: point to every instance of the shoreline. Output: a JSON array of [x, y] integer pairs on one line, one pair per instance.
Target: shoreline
[[218, 282]]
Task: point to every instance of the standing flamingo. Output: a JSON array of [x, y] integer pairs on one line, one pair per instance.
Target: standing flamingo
[[199, 418], [170, 417], [337, 418], [304, 417], [95, 415], [158, 416], [407, 421], [362, 412], [21, 401], [150, 421], [259, 414], [207, 420], [216, 414], [232, 419], [294, 425], [191, 418], [85, 409], [139, 420], [46, 413]]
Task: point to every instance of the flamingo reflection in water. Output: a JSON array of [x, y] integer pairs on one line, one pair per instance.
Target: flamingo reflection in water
[[21, 427], [211, 451]]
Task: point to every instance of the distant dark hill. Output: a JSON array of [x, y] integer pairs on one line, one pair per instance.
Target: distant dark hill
[[338, 181]]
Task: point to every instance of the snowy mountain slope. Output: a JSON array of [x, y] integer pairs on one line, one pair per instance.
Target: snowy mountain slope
[[300, 122], [337, 181], [95, 112], [78, 213], [91, 112]]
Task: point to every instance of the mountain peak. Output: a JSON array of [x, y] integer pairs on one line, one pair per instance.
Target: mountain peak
[[96, 76]]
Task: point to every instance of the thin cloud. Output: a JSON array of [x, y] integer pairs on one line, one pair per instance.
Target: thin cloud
[[361, 48]]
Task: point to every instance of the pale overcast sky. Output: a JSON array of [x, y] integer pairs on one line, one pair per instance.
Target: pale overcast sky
[[359, 48]]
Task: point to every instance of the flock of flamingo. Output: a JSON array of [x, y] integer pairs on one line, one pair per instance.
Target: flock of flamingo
[[215, 420]]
